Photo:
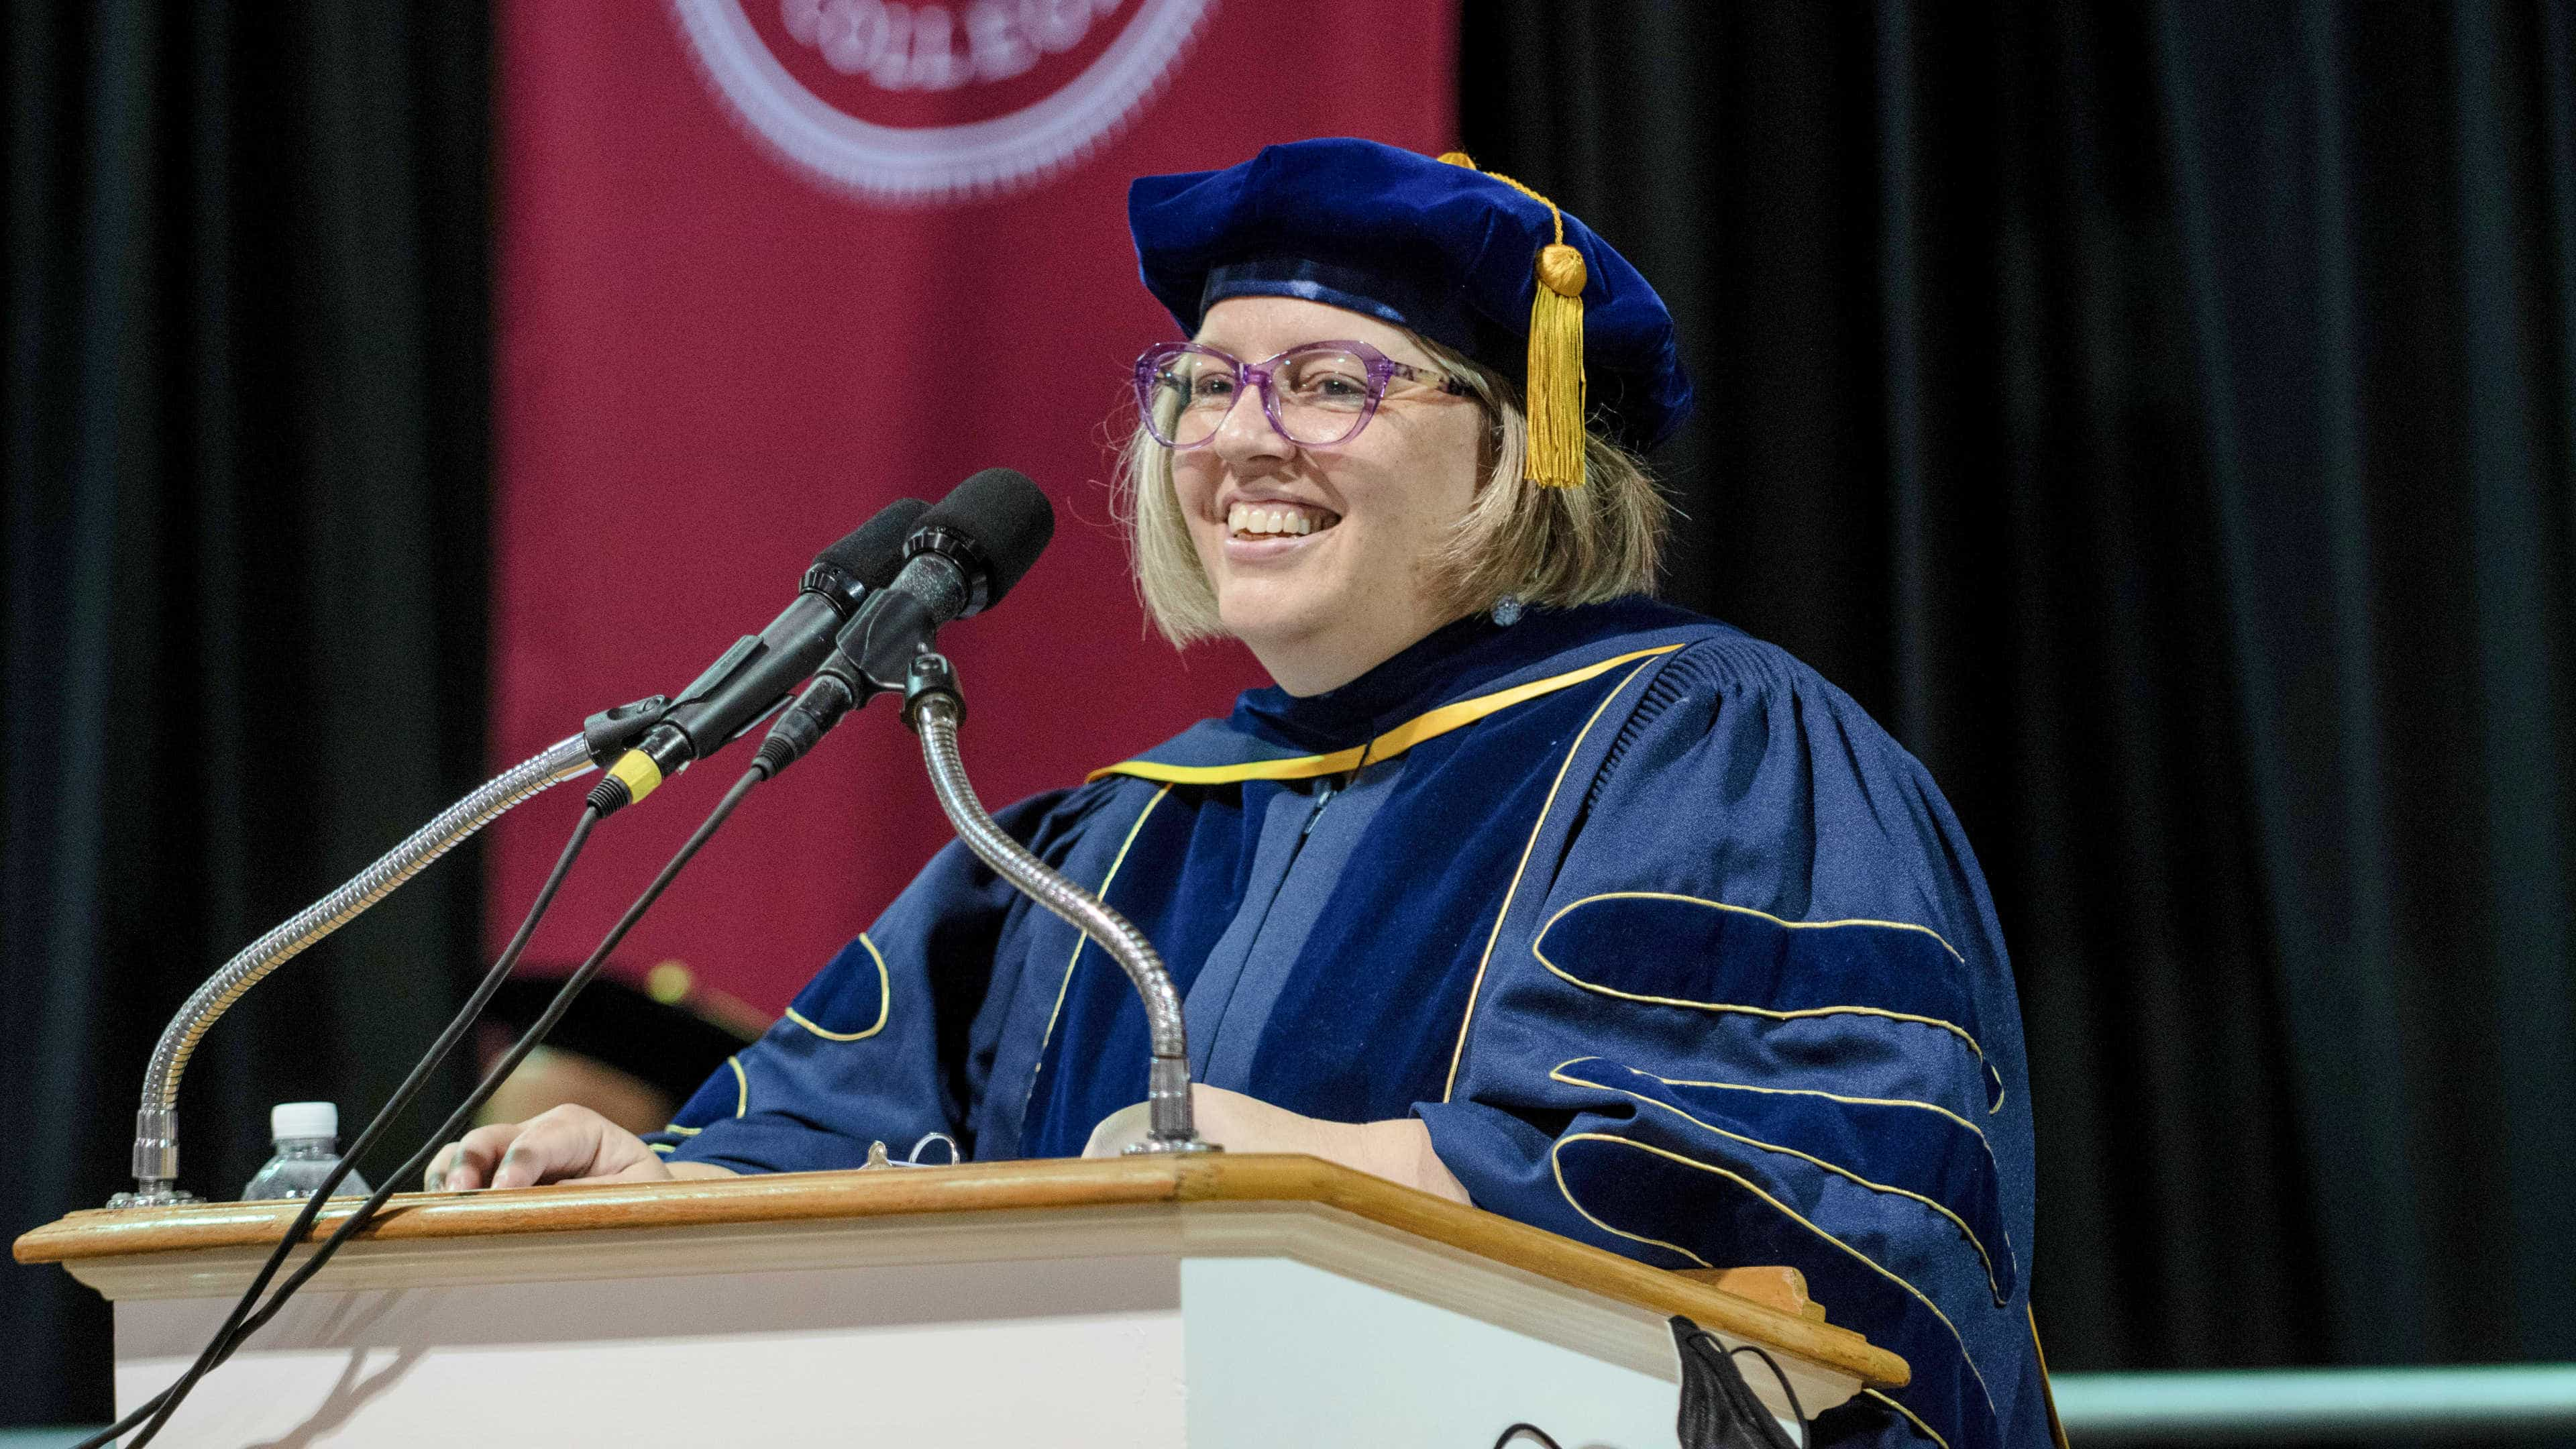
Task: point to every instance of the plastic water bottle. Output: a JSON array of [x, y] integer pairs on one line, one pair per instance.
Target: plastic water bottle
[[308, 1147]]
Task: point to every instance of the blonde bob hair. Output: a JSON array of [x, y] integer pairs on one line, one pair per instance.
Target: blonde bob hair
[[1555, 547]]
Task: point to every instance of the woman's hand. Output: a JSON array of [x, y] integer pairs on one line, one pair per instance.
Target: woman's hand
[[1398, 1149], [566, 1144]]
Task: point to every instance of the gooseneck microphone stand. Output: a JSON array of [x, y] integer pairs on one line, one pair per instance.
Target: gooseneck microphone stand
[[933, 707], [156, 1123]]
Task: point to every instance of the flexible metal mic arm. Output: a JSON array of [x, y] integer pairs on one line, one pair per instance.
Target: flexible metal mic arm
[[156, 1123], [933, 707]]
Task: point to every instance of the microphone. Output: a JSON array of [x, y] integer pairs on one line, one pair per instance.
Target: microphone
[[750, 679], [960, 559]]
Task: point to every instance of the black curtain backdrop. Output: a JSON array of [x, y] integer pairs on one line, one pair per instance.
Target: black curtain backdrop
[[245, 411], [2160, 418]]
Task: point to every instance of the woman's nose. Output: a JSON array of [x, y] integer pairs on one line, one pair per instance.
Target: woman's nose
[[1246, 435]]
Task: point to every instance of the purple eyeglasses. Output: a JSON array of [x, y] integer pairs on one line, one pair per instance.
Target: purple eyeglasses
[[1315, 396]]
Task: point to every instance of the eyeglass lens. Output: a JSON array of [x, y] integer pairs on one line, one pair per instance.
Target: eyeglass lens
[[1318, 395]]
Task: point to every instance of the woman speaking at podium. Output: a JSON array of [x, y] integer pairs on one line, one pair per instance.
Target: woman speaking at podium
[[1517, 886]]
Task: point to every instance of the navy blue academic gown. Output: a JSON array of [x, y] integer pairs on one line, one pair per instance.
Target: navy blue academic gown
[[1672, 948]]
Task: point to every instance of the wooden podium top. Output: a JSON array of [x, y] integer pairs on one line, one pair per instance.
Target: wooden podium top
[[81, 1240]]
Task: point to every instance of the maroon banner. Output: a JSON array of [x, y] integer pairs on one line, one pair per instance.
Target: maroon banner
[[767, 266]]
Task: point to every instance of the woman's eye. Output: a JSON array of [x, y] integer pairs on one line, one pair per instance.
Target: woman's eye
[[1212, 385], [1330, 384]]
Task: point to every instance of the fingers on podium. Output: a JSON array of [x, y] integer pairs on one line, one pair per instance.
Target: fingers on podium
[[549, 1147], [470, 1162]]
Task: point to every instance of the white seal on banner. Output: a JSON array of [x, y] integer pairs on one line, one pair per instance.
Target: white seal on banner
[[981, 56]]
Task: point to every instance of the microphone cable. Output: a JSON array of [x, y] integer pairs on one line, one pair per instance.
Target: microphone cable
[[219, 1346], [238, 1331]]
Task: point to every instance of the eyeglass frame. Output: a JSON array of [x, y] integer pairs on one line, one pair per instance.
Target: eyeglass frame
[[1255, 377]]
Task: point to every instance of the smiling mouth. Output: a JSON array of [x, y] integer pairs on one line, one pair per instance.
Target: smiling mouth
[[1252, 521]]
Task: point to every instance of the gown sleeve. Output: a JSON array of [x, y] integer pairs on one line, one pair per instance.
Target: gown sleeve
[[878, 1046], [1747, 1004]]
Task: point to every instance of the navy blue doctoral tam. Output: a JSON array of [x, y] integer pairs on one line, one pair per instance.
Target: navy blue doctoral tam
[[1443, 250]]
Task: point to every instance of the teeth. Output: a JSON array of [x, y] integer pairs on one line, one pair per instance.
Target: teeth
[[1255, 519]]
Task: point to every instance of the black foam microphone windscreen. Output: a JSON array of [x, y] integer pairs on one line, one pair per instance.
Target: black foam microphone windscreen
[[994, 525]]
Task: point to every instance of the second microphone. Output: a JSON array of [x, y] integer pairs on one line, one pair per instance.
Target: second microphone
[[961, 558]]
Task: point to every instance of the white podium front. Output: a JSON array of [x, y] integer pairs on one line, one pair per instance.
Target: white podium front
[[1221, 1300]]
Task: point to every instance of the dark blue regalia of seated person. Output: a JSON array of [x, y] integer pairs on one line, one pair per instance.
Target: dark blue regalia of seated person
[[1671, 947]]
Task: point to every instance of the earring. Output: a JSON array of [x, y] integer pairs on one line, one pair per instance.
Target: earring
[[1507, 610]]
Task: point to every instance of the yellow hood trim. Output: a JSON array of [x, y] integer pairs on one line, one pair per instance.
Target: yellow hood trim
[[1394, 742]]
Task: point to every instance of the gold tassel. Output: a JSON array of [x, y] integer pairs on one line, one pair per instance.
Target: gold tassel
[[1556, 368], [1555, 384]]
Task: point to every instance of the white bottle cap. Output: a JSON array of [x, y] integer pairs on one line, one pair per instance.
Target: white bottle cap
[[304, 1119]]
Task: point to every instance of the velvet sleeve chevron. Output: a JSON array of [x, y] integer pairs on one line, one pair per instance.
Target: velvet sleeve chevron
[[1747, 1004], [875, 1047]]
